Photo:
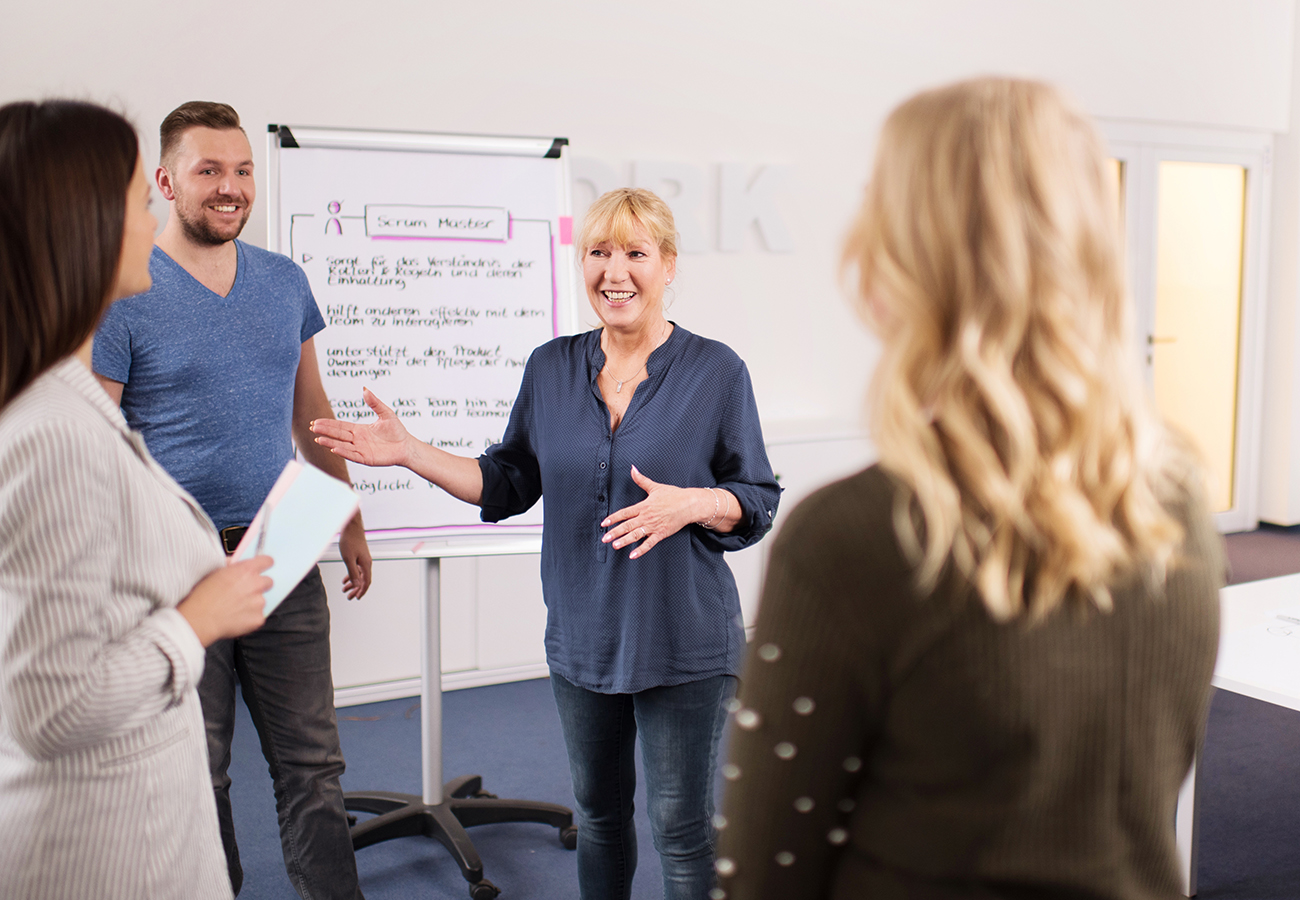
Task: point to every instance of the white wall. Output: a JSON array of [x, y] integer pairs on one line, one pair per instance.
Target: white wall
[[696, 82], [1280, 465]]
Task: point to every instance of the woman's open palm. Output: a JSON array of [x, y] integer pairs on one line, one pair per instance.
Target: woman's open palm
[[382, 442]]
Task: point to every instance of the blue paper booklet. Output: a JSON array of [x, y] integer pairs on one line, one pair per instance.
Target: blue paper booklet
[[299, 519]]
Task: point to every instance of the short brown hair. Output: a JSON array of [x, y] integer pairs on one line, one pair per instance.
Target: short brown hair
[[194, 114], [65, 167]]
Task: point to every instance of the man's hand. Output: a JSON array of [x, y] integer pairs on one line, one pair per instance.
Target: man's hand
[[310, 406], [356, 556]]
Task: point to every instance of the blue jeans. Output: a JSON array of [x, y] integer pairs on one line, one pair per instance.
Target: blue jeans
[[680, 728], [284, 674]]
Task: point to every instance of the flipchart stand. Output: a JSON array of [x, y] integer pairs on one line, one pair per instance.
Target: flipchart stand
[[444, 811]]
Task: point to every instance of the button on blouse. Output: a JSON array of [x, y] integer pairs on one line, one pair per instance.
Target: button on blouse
[[615, 624]]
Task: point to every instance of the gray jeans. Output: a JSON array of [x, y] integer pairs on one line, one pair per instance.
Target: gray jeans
[[284, 675]]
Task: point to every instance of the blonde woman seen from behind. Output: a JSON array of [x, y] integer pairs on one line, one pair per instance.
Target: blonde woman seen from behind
[[982, 666]]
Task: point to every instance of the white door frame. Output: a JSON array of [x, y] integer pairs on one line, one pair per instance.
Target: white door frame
[[1141, 147]]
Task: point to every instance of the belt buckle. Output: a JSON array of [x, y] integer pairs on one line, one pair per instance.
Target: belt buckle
[[230, 537]]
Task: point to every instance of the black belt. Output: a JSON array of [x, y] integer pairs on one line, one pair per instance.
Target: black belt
[[230, 537]]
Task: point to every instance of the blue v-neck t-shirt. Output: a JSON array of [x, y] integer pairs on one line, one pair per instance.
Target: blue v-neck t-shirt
[[615, 624], [208, 380]]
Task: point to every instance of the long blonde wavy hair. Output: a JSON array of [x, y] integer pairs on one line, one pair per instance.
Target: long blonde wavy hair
[[1007, 400]]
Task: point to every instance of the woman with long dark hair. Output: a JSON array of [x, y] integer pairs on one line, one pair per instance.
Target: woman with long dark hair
[[112, 580]]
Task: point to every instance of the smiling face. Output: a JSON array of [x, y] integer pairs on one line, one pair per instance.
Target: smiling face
[[209, 180], [625, 284], [137, 238]]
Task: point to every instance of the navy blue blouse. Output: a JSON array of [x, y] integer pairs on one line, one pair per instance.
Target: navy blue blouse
[[614, 624]]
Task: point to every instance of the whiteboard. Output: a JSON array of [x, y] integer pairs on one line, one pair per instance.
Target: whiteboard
[[439, 262]]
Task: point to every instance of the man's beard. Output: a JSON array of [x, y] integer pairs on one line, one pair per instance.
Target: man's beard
[[200, 231]]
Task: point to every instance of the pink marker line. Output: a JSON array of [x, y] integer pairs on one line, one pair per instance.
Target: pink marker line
[[394, 533], [405, 237], [555, 296]]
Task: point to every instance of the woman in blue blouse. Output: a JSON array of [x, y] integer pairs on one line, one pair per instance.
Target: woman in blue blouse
[[648, 441]]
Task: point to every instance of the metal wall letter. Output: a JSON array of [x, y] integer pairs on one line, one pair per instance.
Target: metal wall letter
[[739, 205], [686, 203]]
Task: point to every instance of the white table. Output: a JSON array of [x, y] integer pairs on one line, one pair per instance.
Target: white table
[[444, 811], [1266, 668]]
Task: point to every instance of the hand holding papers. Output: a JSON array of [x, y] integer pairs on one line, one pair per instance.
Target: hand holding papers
[[310, 509]]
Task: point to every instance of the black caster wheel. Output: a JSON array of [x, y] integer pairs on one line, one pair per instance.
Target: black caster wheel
[[485, 795], [483, 890], [569, 837]]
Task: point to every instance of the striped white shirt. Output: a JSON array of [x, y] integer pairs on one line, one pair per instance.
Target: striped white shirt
[[104, 786]]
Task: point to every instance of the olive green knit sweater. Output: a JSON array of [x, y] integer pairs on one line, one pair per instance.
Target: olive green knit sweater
[[897, 745]]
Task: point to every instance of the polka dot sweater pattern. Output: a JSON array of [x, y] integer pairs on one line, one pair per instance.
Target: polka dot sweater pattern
[[887, 744]]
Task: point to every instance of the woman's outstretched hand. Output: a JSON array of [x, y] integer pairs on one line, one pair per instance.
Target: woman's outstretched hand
[[665, 511], [382, 442]]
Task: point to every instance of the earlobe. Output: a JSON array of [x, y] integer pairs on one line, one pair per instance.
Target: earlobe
[[164, 180]]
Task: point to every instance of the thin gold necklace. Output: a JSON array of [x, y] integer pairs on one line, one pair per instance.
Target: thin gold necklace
[[619, 382]]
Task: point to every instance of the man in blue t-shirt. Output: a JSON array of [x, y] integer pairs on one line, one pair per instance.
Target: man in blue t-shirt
[[215, 365]]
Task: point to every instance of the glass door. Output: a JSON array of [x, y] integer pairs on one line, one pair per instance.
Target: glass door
[[1194, 219], [1195, 345]]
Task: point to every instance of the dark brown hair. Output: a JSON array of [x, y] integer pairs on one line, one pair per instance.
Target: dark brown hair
[[65, 167], [194, 114]]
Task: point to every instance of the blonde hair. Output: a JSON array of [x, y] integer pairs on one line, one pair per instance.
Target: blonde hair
[[617, 216], [1007, 399]]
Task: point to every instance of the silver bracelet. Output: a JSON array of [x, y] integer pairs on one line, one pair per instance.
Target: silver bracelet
[[717, 507]]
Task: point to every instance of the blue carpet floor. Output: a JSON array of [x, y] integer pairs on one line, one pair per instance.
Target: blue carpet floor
[[1250, 801], [510, 734]]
